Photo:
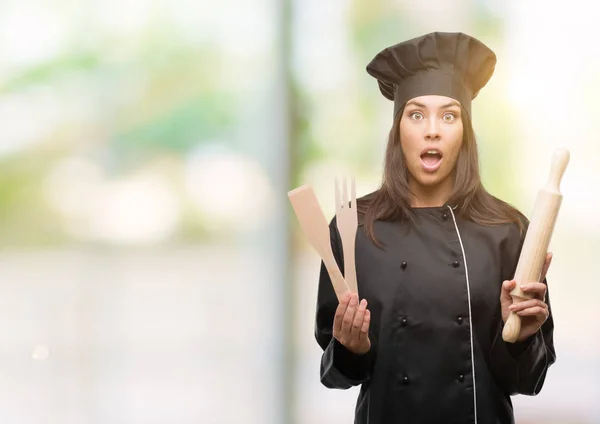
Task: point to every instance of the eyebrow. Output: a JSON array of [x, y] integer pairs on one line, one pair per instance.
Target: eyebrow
[[421, 105]]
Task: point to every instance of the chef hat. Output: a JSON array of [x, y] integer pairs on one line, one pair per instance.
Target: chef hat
[[447, 64]]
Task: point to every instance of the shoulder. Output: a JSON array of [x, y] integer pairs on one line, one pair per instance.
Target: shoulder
[[503, 242], [506, 234], [518, 229], [364, 203], [492, 211]]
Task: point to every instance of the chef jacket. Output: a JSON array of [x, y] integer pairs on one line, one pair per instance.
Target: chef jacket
[[437, 353]]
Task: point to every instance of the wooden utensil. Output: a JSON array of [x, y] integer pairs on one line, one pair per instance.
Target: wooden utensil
[[537, 239], [347, 222], [315, 227]]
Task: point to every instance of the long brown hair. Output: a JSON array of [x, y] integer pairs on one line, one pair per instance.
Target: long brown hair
[[391, 202]]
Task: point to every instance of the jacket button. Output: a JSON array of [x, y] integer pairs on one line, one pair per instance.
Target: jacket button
[[405, 379], [444, 216], [455, 264], [403, 265], [404, 321], [461, 378], [459, 320]]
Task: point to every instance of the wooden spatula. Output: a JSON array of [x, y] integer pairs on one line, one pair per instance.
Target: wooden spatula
[[347, 222], [315, 227]]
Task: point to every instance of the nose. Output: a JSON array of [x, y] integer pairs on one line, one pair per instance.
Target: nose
[[432, 131]]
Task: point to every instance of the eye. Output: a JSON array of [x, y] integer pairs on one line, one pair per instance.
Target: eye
[[417, 116], [449, 117]]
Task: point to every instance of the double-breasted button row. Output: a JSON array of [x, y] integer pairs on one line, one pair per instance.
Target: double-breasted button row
[[404, 264], [406, 380], [404, 320]]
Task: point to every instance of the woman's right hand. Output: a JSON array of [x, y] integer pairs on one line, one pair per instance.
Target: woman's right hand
[[351, 324]]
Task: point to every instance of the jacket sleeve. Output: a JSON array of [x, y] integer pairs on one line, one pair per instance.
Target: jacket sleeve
[[521, 367], [340, 368]]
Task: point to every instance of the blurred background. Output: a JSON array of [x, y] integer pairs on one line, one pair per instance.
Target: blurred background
[[151, 268]]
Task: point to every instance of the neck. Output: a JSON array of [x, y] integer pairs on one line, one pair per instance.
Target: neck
[[430, 196]]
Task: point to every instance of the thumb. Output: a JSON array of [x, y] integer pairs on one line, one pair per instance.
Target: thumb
[[507, 287]]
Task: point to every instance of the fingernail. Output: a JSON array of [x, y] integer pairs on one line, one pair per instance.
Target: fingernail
[[512, 307], [363, 302], [524, 286]]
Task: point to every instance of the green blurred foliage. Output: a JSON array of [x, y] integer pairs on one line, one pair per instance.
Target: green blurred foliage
[[25, 218], [157, 97]]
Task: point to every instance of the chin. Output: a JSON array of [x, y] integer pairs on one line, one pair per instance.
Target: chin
[[431, 180]]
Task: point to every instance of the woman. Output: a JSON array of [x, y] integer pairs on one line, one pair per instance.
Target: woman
[[435, 255]]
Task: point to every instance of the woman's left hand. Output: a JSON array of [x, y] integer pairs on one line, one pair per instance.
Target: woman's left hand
[[533, 312]]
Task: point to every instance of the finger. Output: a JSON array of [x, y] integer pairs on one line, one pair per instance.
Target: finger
[[525, 304], [339, 314], [535, 311], [364, 330], [358, 320], [546, 266], [349, 315], [538, 290]]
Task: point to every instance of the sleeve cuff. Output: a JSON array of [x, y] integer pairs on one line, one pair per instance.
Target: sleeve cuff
[[356, 368], [521, 355], [349, 361], [520, 349]]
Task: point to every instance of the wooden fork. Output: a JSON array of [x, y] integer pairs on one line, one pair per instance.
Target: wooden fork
[[347, 223]]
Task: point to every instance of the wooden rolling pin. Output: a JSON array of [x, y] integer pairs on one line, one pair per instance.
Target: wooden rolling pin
[[537, 240], [315, 227]]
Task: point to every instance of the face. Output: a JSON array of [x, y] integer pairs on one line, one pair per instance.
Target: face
[[431, 133]]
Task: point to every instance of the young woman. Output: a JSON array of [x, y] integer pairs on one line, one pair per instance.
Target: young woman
[[435, 258]]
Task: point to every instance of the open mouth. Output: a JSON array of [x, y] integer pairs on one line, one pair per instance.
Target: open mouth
[[431, 159]]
